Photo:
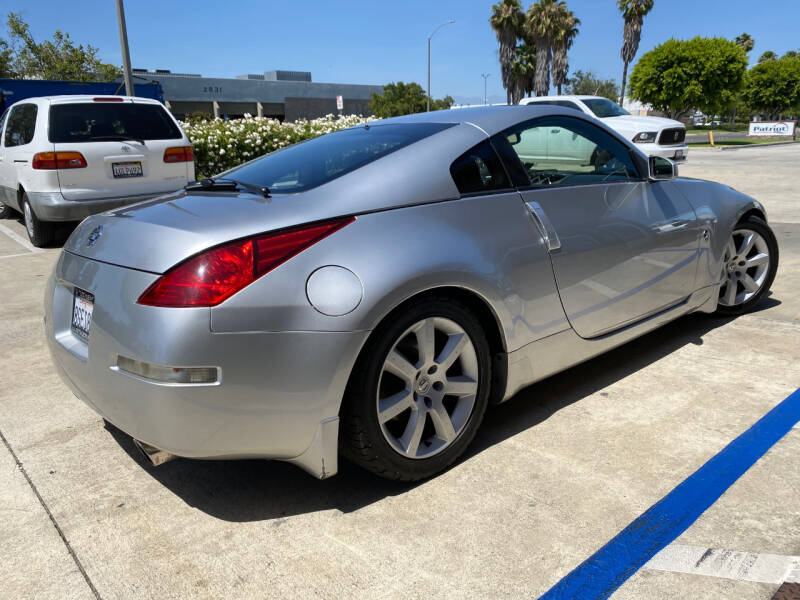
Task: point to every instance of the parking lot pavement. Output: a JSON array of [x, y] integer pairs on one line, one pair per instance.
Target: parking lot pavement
[[553, 475]]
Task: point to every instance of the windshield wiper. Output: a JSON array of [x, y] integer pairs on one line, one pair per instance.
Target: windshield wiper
[[226, 185], [115, 138]]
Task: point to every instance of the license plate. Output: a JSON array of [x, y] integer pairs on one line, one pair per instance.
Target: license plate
[[82, 308], [679, 154], [127, 169]]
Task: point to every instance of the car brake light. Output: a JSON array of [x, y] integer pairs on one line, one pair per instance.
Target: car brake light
[[58, 160], [178, 154], [111, 99], [209, 278]]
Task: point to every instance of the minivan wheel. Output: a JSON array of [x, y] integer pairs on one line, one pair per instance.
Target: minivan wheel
[[418, 392], [41, 233]]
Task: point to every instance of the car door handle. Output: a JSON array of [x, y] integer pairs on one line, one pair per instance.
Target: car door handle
[[545, 226]]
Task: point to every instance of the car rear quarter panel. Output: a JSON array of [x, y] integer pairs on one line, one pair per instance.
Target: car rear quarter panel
[[487, 245], [718, 209]]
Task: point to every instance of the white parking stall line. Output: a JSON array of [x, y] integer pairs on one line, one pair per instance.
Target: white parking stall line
[[15, 255], [726, 564], [20, 240]]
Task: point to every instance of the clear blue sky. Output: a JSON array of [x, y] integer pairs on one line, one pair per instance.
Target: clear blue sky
[[354, 41]]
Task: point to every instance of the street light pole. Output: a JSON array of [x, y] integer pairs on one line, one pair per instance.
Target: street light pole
[[485, 98], [126, 55], [429, 59]]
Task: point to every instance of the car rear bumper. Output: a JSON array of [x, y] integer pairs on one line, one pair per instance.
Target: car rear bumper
[[52, 206], [665, 151], [277, 396]]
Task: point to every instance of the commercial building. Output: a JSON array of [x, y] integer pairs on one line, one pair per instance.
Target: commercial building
[[285, 95]]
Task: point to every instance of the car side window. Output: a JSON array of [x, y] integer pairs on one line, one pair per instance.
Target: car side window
[[478, 170], [558, 151], [21, 125]]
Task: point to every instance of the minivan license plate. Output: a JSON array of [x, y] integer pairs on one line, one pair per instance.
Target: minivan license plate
[[82, 309], [127, 169]]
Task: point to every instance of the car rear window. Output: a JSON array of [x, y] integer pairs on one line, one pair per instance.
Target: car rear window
[[109, 121], [322, 159]]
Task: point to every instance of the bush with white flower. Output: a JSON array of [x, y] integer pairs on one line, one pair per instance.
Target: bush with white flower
[[220, 145]]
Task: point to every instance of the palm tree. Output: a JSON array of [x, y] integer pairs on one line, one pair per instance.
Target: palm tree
[[506, 20], [745, 41], [524, 69], [542, 26], [633, 11], [563, 41]]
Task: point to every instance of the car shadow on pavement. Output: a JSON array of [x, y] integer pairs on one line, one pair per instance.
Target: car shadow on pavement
[[257, 490]]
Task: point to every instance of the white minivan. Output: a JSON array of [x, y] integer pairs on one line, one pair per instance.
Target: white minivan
[[63, 158]]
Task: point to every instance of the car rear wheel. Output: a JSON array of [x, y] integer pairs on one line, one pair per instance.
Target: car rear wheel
[[748, 266], [418, 393], [41, 233]]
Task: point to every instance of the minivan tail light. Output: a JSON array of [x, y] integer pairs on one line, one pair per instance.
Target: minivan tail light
[[178, 154], [110, 99], [209, 278], [58, 160]]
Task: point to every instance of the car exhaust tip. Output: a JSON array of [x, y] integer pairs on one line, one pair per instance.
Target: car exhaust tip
[[154, 455]]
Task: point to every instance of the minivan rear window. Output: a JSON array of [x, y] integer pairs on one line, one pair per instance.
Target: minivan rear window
[[322, 159], [110, 121]]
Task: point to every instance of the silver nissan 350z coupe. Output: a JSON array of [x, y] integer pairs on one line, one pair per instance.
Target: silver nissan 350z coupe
[[370, 292]]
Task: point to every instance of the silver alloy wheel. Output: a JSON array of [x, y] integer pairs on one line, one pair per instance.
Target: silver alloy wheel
[[427, 387], [744, 267], [28, 218]]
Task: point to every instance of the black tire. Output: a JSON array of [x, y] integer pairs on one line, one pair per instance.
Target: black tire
[[361, 439], [6, 212], [760, 226], [40, 233]]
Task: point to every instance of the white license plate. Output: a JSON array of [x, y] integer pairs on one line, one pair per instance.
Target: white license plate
[[82, 309], [127, 169]]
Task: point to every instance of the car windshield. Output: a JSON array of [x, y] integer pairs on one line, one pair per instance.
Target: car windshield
[[322, 159], [109, 121], [603, 107]]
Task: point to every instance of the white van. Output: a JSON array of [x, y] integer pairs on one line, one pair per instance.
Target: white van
[[63, 158]]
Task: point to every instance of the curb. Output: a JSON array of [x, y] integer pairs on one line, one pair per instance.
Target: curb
[[747, 147]]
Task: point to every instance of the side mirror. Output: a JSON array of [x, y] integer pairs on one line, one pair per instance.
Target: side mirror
[[662, 169]]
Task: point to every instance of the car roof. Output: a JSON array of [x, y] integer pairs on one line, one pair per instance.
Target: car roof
[[78, 98], [489, 119]]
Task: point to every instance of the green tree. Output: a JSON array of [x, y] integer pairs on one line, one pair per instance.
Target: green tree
[[590, 85], [773, 87], [58, 58], [506, 21], [565, 37], [523, 71], [6, 60], [745, 41], [678, 76], [792, 54], [404, 99], [633, 12], [767, 56]]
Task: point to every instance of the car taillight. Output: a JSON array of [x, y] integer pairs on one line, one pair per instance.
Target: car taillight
[[58, 160], [214, 275], [111, 99], [178, 154]]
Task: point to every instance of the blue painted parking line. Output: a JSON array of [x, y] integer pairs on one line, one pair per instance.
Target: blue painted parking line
[[608, 568]]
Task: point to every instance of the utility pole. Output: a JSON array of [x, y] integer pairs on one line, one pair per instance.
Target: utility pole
[[429, 60], [126, 54], [485, 97]]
